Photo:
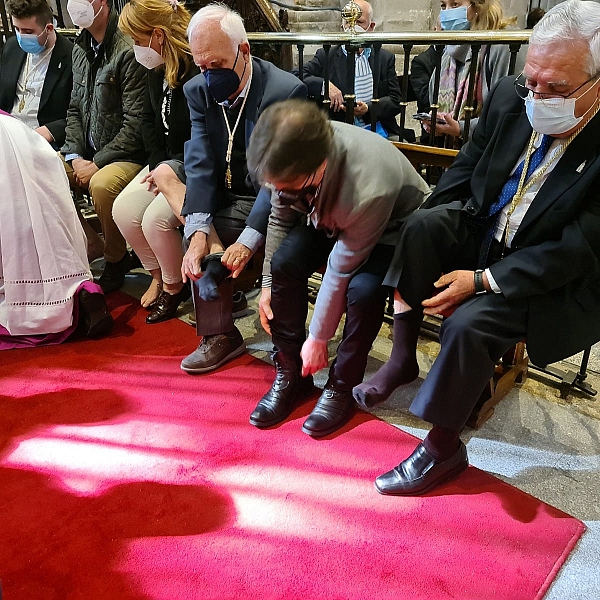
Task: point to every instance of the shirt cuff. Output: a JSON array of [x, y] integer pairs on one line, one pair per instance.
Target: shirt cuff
[[266, 281], [70, 157], [314, 339], [251, 238], [495, 287], [197, 222]]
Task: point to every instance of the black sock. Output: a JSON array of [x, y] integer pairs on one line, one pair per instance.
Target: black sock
[[402, 366], [442, 442], [215, 272]]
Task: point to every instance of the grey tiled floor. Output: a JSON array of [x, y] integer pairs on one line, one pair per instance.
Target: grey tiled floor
[[536, 441]]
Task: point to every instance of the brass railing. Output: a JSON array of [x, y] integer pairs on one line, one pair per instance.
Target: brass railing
[[408, 40]]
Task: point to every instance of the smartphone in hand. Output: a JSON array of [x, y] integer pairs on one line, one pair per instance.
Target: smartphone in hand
[[427, 117]]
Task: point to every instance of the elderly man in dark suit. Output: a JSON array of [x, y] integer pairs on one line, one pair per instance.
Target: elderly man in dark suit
[[369, 76], [225, 101], [35, 71], [514, 226]]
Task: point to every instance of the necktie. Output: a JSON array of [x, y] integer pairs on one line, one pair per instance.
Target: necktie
[[510, 187]]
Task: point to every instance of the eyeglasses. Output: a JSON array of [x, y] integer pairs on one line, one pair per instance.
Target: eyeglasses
[[555, 100], [307, 193]]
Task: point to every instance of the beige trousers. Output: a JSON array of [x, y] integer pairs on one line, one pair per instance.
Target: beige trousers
[[104, 187], [150, 228]]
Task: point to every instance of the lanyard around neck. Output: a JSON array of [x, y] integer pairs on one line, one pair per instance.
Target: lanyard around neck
[[231, 132]]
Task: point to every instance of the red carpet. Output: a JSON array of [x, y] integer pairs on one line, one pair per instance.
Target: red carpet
[[123, 478]]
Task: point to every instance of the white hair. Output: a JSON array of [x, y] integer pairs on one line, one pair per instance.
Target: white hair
[[230, 21], [573, 20]]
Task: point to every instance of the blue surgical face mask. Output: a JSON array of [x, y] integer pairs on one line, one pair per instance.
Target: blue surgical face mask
[[223, 83], [30, 43], [455, 19]]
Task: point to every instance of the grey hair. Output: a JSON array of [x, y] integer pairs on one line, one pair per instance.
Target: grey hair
[[572, 21], [230, 21]]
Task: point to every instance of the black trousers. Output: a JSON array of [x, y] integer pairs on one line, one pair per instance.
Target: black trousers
[[478, 333], [215, 317], [304, 251]]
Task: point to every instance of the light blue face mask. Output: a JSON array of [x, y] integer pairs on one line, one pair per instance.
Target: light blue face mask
[[455, 19], [29, 42]]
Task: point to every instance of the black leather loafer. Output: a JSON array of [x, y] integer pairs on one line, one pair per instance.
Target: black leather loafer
[[333, 410], [420, 472], [166, 306], [113, 276], [289, 387]]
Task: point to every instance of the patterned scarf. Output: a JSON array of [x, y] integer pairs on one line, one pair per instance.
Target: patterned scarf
[[454, 81]]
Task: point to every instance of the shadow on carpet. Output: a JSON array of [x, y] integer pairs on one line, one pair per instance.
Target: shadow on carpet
[[124, 478]]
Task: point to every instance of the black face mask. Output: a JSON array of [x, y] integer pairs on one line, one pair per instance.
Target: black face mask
[[223, 83]]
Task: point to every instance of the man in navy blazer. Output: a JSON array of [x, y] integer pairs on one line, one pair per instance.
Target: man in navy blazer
[[41, 101], [369, 76], [225, 101], [519, 247]]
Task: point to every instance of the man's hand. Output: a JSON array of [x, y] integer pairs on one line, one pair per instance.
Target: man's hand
[[236, 257], [45, 133], [314, 356], [459, 286], [361, 108], [190, 266], [336, 97], [264, 309], [83, 170], [151, 184]]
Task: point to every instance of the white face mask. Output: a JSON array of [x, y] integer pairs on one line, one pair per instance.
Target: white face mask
[[551, 116], [82, 13], [357, 29], [148, 57]]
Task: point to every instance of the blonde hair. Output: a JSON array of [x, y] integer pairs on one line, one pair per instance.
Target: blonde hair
[[490, 16], [142, 17]]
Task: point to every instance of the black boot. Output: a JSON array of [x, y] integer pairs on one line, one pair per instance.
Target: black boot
[[289, 387], [333, 410], [113, 276], [214, 272]]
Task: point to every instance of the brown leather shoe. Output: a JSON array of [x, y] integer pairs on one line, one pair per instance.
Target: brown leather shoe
[[420, 472], [277, 404], [332, 411], [214, 351], [166, 306]]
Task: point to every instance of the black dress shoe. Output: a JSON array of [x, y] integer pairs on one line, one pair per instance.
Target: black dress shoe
[[94, 318], [167, 304], [113, 276], [214, 351], [420, 472], [333, 410], [277, 404]]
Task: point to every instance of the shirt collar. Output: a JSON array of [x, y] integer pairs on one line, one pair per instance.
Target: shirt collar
[[366, 52]]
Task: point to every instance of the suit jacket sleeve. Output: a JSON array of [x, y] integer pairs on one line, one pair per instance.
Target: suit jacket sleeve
[[544, 267], [313, 74], [200, 163], [389, 105]]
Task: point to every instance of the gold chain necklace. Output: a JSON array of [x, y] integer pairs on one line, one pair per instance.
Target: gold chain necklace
[[523, 187], [28, 61]]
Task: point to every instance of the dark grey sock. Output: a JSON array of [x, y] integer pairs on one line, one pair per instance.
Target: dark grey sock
[[214, 273]]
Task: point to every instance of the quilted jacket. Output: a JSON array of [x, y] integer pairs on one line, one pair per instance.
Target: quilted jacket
[[107, 100]]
